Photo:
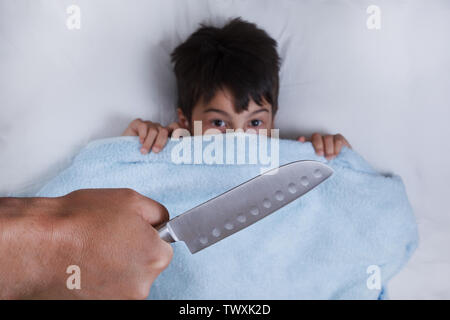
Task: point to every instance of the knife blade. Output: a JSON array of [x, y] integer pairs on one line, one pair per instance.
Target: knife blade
[[243, 205]]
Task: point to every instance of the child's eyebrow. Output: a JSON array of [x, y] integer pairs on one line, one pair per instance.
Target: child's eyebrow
[[216, 110], [258, 111]]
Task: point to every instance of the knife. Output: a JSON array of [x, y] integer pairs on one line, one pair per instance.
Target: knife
[[245, 204]]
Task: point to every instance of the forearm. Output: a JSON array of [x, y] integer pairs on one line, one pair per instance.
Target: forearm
[[29, 247]]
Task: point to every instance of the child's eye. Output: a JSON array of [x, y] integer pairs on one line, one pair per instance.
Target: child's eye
[[255, 123], [218, 123]]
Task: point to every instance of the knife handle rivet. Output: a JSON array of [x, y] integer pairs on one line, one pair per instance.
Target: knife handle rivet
[[266, 203], [304, 181], [292, 188], [254, 211], [317, 173], [241, 218], [203, 240], [216, 232], [279, 195], [229, 226]]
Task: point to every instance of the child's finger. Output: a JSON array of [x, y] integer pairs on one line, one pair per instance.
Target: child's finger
[[150, 138], [338, 143], [329, 146], [172, 127], [132, 128], [129, 132], [141, 129], [345, 142], [161, 139], [302, 139], [317, 142]]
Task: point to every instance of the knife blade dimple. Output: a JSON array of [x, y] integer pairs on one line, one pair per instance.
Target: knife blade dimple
[[244, 205]]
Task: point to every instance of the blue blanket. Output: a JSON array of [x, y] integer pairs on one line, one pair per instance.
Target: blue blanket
[[343, 240]]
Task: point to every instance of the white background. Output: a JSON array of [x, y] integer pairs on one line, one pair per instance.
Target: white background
[[387, 91]]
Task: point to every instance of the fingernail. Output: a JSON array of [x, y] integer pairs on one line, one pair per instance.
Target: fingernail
[[156, 149], [143, 150], [321, 153]]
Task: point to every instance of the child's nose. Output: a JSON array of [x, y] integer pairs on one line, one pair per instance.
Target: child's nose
[[239, 126]]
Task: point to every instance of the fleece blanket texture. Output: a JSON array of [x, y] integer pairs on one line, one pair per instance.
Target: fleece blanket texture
[[345, 239]]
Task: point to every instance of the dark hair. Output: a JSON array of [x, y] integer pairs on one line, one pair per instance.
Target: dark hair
[[239, 56]]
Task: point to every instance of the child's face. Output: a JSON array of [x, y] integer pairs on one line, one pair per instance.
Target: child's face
[[219, 114]]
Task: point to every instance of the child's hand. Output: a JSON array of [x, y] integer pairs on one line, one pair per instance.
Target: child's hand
[[328, 145], [152, 135]]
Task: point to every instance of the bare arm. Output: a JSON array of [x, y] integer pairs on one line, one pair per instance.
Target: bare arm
[[108, 233]]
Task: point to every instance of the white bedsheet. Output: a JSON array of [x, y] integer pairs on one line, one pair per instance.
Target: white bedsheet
[[386, 90]]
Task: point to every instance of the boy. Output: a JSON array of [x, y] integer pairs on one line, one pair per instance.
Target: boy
[[227, 78]]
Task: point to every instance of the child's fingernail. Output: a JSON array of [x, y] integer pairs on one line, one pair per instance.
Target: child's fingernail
[[156, 149], [143, 151], [321, 153]]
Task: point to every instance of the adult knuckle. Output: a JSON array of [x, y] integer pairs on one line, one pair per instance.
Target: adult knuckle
[[160, 211], [139, 291], [142, 290], [165, 255], [130, 193], [163, 211], [168, 255]]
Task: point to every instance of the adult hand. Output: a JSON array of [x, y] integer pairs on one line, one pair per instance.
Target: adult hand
[[107, 233]]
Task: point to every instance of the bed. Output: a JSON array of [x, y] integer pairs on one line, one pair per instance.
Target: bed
[[377, 72]]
